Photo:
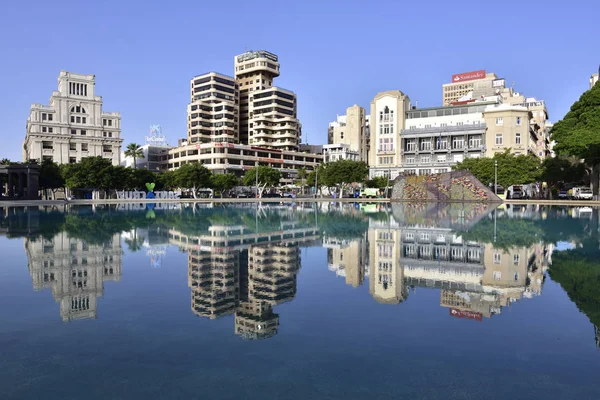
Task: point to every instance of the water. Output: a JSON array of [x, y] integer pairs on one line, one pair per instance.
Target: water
[[324, 301]]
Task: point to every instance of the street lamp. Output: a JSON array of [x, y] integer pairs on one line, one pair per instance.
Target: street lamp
[[256, 169], [496, 177]]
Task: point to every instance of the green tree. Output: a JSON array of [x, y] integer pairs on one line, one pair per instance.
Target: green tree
[[165, 180], [93, 173], [51, 178], [5, 161], [577, 134], [512, 170], [192, 176], [224, 182], [339, 174], [557, 171], [140, 177], [135, 151], [377, 182], [267, 176]]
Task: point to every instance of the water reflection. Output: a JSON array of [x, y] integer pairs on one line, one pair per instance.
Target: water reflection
[[244, 260]]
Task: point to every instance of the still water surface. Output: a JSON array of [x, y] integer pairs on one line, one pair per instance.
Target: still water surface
[[311, 301]]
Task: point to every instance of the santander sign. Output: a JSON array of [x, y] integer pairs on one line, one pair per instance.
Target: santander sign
[[468, 76]]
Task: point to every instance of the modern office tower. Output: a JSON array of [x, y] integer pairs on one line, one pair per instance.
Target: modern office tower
[[267, 113], [348, 136], [387, 118], [470, 85], [229, 134], [74, 270], [72, 126], [213, 112]]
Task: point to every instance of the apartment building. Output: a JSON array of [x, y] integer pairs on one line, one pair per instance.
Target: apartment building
[[437, 138], [594, 78], [349, 259], [237, 123], [73, 125], [509, 127], [267, 113], [470, 85], [350, 132], [213, 112], [387, 118]]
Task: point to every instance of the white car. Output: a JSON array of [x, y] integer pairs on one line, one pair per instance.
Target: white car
[[585, 194]]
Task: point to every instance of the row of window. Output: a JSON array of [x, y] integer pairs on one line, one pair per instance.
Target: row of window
[[274, 93], [500, 139], [47, 117], [442, 143], [500, 121]]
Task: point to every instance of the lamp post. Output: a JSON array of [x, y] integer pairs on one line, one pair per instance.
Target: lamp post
[[256, 169], [496, 177], [316, 181]]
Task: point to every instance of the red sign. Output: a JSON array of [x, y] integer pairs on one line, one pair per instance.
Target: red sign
[[468, 76], [465, 314], [271, 160], [264, 149], [230, 145]]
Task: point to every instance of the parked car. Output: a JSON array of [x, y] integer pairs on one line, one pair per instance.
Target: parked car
[[582, 193], [370, 193], [563, 194]]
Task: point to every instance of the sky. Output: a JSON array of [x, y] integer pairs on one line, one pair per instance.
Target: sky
[[333, 54]]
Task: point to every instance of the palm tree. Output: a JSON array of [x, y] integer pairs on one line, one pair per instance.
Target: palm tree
[[134, 150], [5, 161]]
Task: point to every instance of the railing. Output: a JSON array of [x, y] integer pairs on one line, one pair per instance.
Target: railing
[[444, 129]]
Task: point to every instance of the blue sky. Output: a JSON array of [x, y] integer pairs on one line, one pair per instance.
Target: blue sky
[[333, 54]]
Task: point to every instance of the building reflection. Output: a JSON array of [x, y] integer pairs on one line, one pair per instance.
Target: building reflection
[[232, 270], [421, 245], [74, 271]]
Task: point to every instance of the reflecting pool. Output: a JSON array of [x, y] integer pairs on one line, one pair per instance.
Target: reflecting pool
[[299, 301]]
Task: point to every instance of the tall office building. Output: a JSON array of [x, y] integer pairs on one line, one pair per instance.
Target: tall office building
[[470, 85], [267, 113], [213, 112], [72, 126]]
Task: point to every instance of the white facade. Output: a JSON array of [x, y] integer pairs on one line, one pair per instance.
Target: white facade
[[155, 158], [594, 80], [334, 152], [72, 126]]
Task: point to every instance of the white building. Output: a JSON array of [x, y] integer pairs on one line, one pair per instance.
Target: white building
[[155, 158], [594, 79], [72, 126], [334, 152]]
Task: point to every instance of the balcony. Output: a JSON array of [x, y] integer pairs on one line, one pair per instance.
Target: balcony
[[441, 130]]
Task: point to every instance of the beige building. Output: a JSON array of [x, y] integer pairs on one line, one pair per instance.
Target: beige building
[[386, 275], [348, 259], [538, 121], [351, 131], [267, 113], [72, 126], [508, 127], [387, 118], [74, 271], [213, 112], [470, 85]]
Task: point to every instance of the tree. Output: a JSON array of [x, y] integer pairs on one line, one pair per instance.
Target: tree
[[50, 178], [512, 170], [340, 173], [377, 182], [5, 161], [224, 182], [134, 150], [140, 177], [557, 171], [577, 133], [267, 176], [192, 176], [166, 180], [90, 173]]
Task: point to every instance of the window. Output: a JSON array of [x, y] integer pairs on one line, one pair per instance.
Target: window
[[518, 138], [516, 276], [83, 119], [43, 129], [475, 142], [516, 259], [426, 144], [44, 116], [83, 133], [73, 132], [411, 145], [425, 159], [72, 119], [72, 160], [78, 120], [73, 146], [103, 122], [518, 120], [107, 149], [497, 258], [458, 142], [499, 121], [409, 160], [84, 147], [498, 139], [441, 158], [47, 145], [497, 275], [110, 122]]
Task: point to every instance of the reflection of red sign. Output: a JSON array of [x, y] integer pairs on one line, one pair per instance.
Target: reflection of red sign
[[271, 160], [468, 76], [230, 145], [465, 314]]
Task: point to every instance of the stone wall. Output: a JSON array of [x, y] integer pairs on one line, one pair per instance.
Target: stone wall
[[455, 186]]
